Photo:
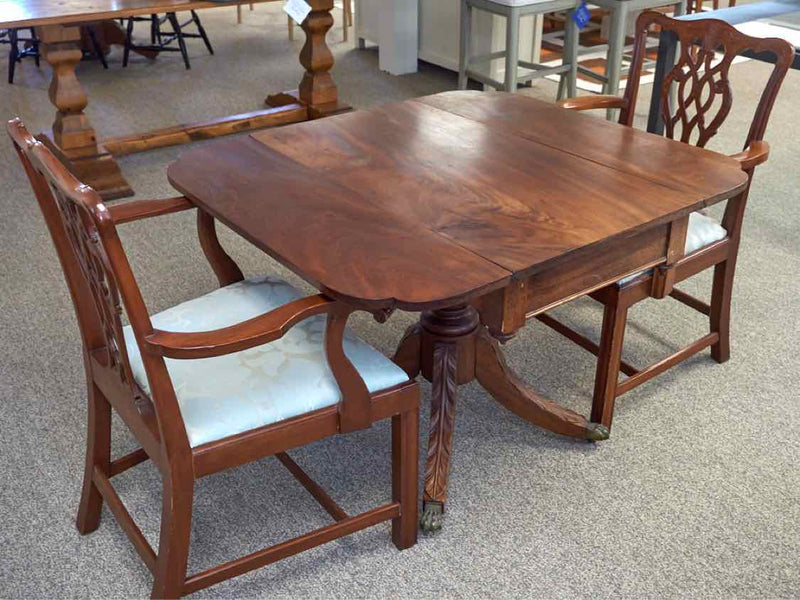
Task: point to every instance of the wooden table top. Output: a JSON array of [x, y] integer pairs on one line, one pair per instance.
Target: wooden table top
[[35, 13], [425, 203]]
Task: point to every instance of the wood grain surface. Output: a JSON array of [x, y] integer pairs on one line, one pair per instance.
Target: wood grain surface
[[417, 206]]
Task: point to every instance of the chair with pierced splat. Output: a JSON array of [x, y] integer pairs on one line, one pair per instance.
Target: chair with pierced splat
[[250, 370], [702, 104]]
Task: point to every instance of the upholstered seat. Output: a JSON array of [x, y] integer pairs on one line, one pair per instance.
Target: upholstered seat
[[703, 231], [226, 395]]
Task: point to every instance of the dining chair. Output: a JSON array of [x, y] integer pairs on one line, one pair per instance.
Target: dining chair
[[347, 20], [161, 41], [250, 370], [702, 103], [513, 11]]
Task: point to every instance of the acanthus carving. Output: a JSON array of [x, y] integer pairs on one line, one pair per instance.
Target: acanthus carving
[[443, 406]]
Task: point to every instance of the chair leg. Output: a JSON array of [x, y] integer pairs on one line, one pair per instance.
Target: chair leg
[[12, 56], [615, 317], [720, 316], [405, 436], [567, 85], [176, 27], [36, 54], [98, 453], [173, 545], [463, 55], [98, 49], [348, 4], [201, 30], [291, 28], [512, 50], [128, 43]]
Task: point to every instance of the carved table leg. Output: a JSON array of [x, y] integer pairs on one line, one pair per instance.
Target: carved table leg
[[447, 360], [74, 139], [505, 387], [317, 89]]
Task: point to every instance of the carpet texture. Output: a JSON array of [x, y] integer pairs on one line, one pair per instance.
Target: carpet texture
[[697, 493]]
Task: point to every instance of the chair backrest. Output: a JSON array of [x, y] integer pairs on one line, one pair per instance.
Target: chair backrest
[[701, 77], [98, 274]]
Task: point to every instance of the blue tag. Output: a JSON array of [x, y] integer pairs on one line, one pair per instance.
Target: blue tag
[[582, 16]]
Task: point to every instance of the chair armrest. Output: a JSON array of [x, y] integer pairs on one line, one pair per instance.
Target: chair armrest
[[355, 408], [247, 334], [752, 156], [144, 209], [592, 102]]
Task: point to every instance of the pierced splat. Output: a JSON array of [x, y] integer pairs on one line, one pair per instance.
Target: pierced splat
[[94, 266], [703, 96], [702, 88]]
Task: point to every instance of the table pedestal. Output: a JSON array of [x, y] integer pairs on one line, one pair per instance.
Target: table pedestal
[[75, 141], [73, 138], [450, 347]]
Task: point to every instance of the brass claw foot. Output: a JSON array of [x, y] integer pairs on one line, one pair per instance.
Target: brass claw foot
[[432, 516], [595, 432]]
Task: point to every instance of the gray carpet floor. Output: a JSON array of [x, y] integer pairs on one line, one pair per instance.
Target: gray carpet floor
[[697, 494]]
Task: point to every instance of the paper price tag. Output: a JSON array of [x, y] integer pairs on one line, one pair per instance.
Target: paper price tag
[[297, 9], [581, 16]]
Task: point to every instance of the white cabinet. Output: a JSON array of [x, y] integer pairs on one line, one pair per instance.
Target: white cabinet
[[429, 30]]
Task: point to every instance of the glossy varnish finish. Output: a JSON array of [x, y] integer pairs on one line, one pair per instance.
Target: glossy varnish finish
[[444, 205], [415, 189], [101, 283]]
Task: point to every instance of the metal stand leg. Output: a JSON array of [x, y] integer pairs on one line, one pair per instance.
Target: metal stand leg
[[464, 43], [616, 46], [570, 78], [512, 50]]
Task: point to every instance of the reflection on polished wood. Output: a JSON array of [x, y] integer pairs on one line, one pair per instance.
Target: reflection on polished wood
[[444, 206]]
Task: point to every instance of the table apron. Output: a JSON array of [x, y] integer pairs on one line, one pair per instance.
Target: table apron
[[504, 311]]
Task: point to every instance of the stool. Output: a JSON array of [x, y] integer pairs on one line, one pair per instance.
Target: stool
[[513, 10]]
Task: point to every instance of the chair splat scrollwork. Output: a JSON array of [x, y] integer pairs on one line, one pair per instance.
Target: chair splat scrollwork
[[94, 266]]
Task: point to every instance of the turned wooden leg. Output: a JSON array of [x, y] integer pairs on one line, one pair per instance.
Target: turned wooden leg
[[74, 139], [407, 355], [720, 316], [615, 317], [503, 384], [98, 453], [405, 439], [173, 546], [317, 89], [448, 359]]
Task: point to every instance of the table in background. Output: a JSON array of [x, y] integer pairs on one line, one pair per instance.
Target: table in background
[[478, 210], [58, 26]]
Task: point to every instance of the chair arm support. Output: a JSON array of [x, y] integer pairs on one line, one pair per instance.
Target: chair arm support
[[752, 156], [144, 209], [247, 334], [592, 102]]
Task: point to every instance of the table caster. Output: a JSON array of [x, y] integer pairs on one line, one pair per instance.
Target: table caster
[[595, 432], [432, 516]]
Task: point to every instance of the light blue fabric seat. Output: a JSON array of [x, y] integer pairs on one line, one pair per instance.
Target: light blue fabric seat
[[226, 395], [702, 231]]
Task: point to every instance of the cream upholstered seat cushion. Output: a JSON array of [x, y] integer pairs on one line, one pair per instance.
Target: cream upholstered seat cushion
[[702, 231], [226, 395]]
